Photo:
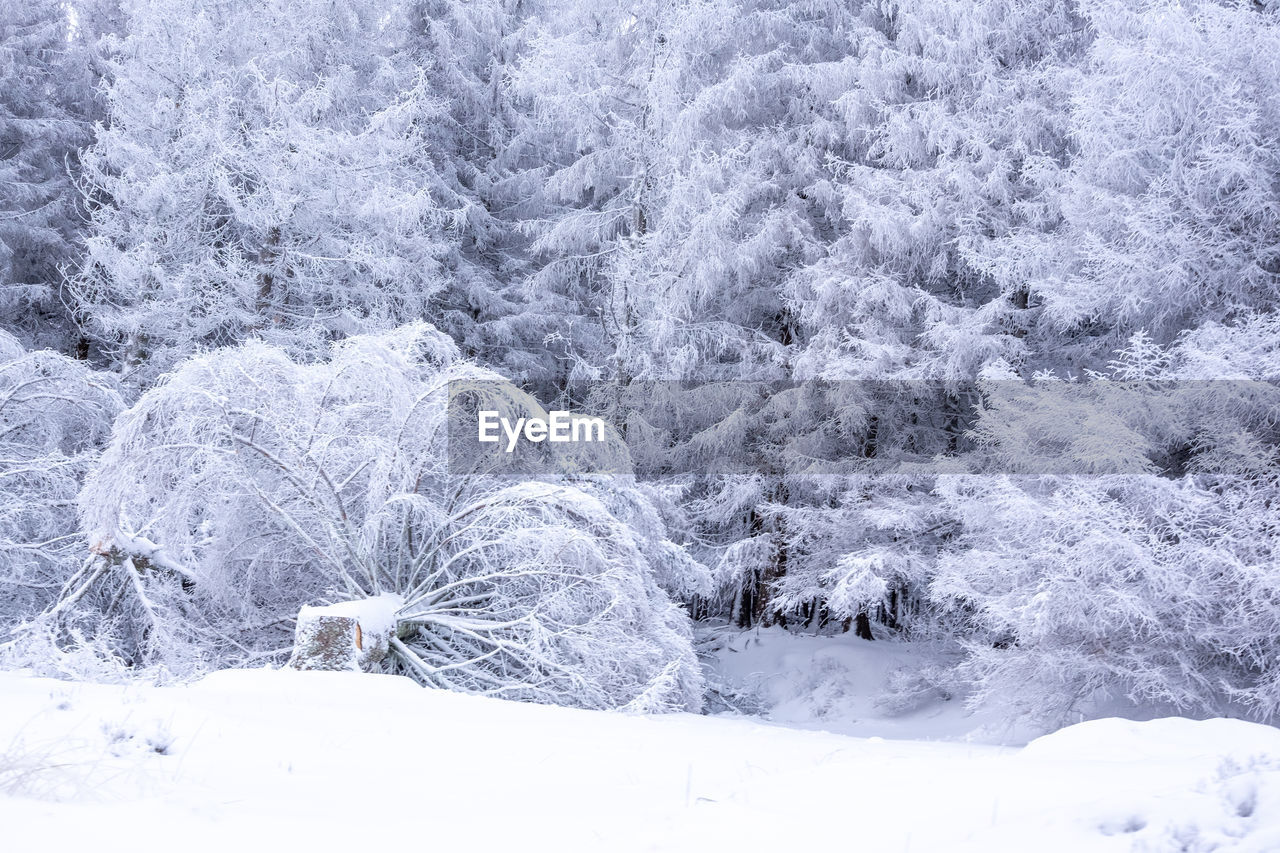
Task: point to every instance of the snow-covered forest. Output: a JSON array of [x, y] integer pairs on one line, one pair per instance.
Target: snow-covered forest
[[938, 335]]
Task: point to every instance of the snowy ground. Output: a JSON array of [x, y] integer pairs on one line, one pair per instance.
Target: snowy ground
[[845, 685], [333, 761]]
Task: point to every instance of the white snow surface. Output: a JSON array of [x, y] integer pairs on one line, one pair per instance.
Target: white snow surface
[[252, 759]]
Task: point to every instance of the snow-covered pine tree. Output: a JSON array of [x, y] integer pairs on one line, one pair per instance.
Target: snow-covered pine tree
[[267, 169], [906, 137], [469, 52], [1139, 568], [46, 106], [1163, 217], [685, 186]]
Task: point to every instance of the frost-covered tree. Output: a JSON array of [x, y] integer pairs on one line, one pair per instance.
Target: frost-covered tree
[[951, 112], [1164, 215], [685, 141], [468, 51], [686, 138], [761, 190], [54, 413], [46, 106], [1121, 542], [1003, 166], [593, 86], [247, 485], [1127, 586], [267, 169]]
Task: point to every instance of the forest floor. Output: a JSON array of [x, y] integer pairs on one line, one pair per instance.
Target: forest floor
[[336, 761]]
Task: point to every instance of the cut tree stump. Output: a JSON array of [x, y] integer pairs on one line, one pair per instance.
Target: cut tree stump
[[353, 636]]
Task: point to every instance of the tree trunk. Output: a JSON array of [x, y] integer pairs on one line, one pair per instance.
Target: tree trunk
[[267, 256]]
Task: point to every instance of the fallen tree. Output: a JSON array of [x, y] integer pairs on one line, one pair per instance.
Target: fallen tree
[[246, 486]]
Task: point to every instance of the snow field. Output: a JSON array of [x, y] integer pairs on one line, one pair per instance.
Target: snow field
[[251, 759]]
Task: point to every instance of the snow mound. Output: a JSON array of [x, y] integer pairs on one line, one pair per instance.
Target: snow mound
[[1168, 739], [1227, 793]]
